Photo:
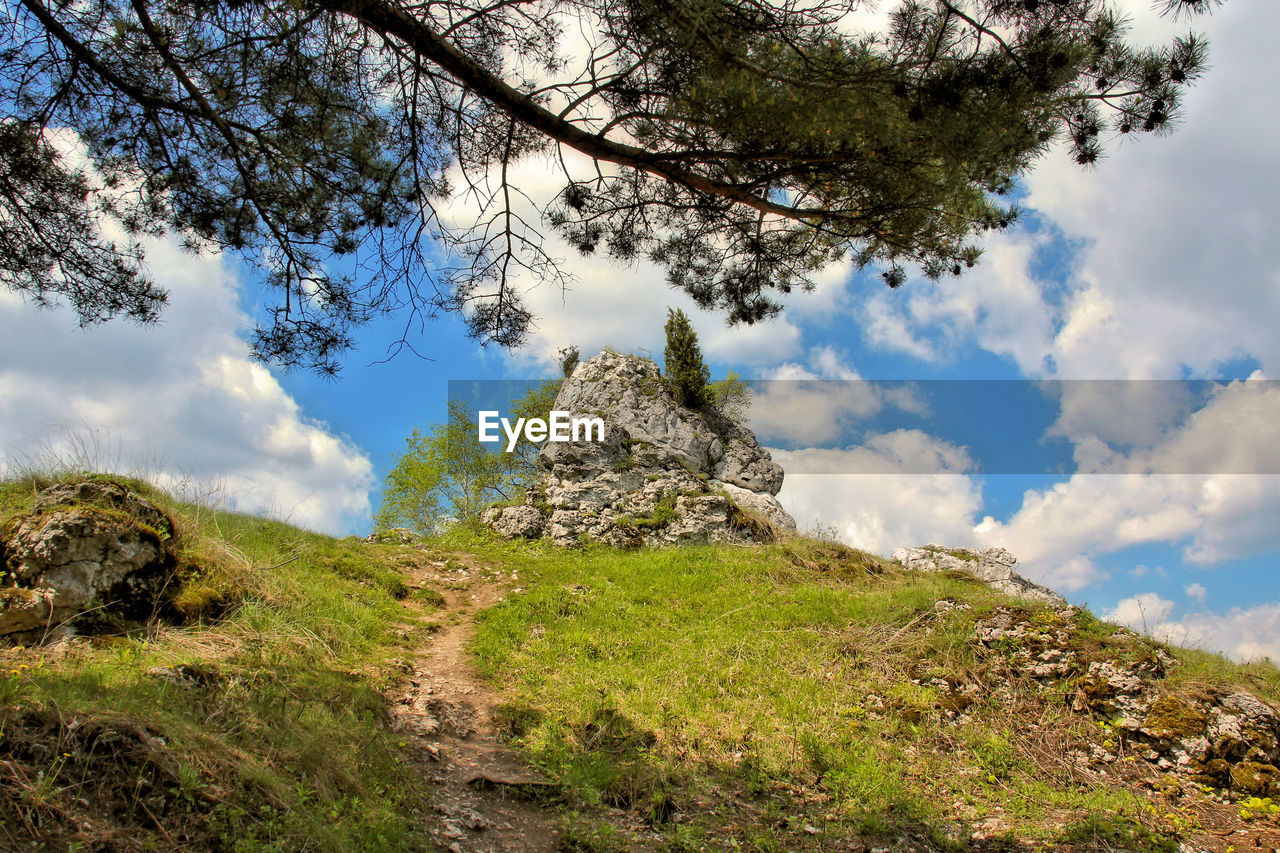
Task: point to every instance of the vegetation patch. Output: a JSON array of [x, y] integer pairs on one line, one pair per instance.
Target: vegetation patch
[[1172, 718], [783, 697], [664, 512], [255, 725]]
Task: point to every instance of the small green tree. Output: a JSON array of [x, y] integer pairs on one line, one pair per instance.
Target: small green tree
[[444, 475], [687, 375], [731, 396], [537, 402], [568, 359]]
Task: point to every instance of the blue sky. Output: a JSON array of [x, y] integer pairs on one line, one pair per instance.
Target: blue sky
[[1161, 263]]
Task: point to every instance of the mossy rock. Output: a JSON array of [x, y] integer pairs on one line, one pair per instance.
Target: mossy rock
[[1173, 719], [195, 601], [1256, 779], [1215, 772]]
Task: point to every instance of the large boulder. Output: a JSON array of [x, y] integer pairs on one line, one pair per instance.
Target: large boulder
[[993, 566], [663, 475], [89, 553]]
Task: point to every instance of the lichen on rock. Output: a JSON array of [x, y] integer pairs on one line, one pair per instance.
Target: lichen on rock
[[1225, 738]]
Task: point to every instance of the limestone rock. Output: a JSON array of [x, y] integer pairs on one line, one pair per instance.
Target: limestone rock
[[762, 503], [993, 566], [90, 550], [516, 522], [663, 475], [105, 495], [1227, 739], [393, 536]]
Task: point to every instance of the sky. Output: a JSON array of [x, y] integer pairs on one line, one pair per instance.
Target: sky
[[1158, 264]]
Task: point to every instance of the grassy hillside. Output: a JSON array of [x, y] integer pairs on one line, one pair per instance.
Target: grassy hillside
[[257, 725], [800, 695], [795, 696]]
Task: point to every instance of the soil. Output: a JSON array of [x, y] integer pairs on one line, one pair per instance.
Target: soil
[[486, 799]]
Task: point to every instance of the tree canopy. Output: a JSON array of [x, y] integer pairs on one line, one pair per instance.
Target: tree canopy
[[740, 144]]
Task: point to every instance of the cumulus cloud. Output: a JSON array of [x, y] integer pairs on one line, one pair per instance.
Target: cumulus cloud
[[883, 508], [1211, 509], [1251, 633], [1241, 633], [1179, 270], [180, 402], [1162, 428], [1141, 612], [998, 306], [816, 402], [1171, 265], [1197, 591]]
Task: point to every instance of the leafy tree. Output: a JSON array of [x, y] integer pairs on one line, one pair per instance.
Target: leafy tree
[[741, 144], [687, 375], [537, 402], [444, 475], [447, 474], [731, 396]]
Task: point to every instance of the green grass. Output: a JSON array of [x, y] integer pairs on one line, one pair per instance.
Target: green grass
[[759, 691], [280, 744], [759, 698]]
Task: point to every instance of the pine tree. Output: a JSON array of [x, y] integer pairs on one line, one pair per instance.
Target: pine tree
[[687, 375], [741, 145]]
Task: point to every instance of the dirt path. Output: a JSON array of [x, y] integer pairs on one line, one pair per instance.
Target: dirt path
[[486, 799]]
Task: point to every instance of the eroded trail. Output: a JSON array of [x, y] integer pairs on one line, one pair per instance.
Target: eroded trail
[[486, 799]]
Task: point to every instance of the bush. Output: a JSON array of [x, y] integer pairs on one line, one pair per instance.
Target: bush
[[731, 396]]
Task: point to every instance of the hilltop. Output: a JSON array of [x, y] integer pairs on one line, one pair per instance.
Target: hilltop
[[474, 693]]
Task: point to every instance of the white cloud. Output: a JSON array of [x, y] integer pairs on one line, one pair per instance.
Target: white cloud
[[882, 508], [180, 402], [1240, 633], [816, 402], [1141, 612], [1213, 512], [998, 306], [1177, 265], [809, 412], [1181, 269], [1197, 591]]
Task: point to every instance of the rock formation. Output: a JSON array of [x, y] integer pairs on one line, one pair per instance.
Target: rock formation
[[1214, 735], [87, 553], [664, 474], [994, 567]]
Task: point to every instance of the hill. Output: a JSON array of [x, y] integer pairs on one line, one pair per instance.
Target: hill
[[471, 693]]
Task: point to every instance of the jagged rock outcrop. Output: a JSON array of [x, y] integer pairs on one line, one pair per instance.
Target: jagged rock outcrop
[[1213, 735], [993, 566], [88, 552], [664, 474]]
